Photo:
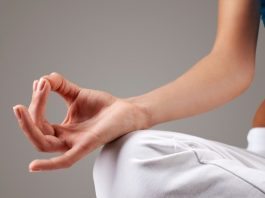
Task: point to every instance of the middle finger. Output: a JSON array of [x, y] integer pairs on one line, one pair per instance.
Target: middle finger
[[38, 103]]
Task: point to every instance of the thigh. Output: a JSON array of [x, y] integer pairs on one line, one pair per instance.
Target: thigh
[[153, 163]]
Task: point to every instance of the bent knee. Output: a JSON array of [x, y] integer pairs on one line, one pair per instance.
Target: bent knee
[[135, 149], [138, 144]]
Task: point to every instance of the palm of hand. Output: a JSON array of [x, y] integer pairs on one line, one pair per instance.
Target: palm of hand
[[84, 120], [81, 118]]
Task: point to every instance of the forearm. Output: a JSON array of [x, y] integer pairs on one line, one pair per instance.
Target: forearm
[[214, 80], [218, 77]]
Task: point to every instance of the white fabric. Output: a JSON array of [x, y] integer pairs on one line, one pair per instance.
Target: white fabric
[[256, 140], [166, 164]]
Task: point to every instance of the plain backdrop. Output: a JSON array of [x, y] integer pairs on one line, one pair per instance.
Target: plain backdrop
[[124, 47]]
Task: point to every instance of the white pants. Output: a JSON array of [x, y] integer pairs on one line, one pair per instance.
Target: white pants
[[167, 164]]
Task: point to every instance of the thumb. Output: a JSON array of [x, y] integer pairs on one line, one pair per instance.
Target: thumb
[[63, 87]]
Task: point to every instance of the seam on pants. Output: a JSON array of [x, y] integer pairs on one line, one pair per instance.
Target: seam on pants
[[238, 176], [187, 145]]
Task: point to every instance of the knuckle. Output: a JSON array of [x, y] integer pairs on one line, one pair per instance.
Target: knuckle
[[98, 139], [41, 148], [55, 74], [84, 147]]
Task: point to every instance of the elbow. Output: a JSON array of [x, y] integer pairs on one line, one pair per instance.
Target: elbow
[[239, 66], [245, 76]]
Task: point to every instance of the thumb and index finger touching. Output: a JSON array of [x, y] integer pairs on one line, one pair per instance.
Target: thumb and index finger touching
[[30, 119], [68, 90], [35, 113], [41, 88]]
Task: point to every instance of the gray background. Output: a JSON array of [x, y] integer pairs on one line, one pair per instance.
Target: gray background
[[124, 47]]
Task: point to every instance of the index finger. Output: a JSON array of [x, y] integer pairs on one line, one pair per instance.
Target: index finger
[[67, 89]]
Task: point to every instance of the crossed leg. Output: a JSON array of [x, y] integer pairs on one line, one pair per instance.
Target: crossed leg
[[165, 164]]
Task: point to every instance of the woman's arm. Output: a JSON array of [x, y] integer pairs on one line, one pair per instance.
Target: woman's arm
[[225, 73], [95, 118]]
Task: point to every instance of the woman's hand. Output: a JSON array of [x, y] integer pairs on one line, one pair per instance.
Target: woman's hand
[[93, 118]]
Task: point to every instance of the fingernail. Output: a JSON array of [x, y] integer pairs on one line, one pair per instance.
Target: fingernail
[[41, 84], [17, 112]]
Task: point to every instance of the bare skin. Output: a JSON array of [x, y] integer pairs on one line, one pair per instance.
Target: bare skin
[[223, 74], [259, 118], [95, 117]]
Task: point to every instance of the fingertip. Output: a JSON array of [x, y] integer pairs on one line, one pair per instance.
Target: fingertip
[[54, 74], [41, 84], [47, 84], [24, 113], [46, 76], [54, 80], [19, 107], [15, 107], [23, 108], [17, 111], [33, 166]]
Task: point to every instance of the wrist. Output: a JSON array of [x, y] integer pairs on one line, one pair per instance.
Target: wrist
[[144, 115]]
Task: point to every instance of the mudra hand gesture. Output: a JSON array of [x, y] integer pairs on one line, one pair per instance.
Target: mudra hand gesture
[[93, 118]]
